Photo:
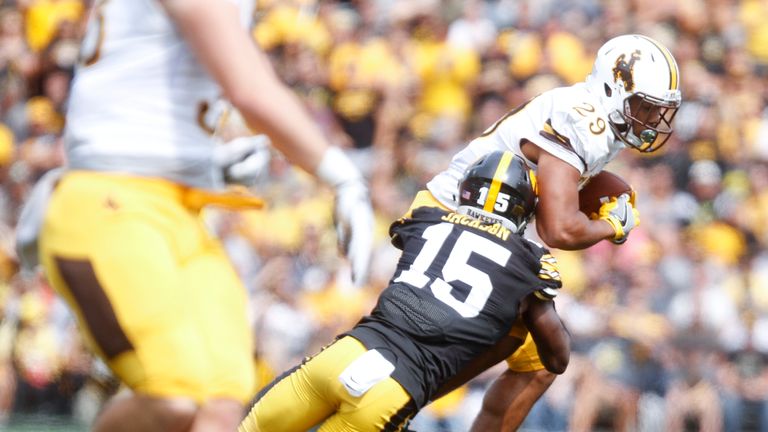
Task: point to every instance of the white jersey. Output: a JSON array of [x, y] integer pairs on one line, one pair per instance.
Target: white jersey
[[140, 102], [567, 122]]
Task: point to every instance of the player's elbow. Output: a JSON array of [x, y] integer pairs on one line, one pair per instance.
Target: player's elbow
[[559, 236], [557, 364], [555, 351], [557, 240], [252, 107], [256, 100]]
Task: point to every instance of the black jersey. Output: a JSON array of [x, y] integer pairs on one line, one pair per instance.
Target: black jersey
[[456, 292]]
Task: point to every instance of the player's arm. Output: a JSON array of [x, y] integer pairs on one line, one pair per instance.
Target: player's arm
[[512, 394], [552, 339], [559, 222], [213, 30], [497, 353], [548, 331]]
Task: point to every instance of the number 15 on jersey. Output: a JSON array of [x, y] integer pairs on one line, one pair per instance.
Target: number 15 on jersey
[[456, 268]]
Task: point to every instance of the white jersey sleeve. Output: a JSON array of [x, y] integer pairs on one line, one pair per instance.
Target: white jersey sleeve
[[578, 124], [140, 102], [567, 122]]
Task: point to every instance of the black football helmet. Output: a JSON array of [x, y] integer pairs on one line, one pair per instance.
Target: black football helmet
[[499, 187]]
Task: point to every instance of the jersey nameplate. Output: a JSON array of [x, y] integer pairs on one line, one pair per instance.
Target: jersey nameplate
[[496, 229]]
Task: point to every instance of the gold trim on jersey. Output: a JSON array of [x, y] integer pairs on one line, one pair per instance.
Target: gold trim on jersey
[[493, 191], [424, 198], [202, 110], [99, 17], [671, 63], [556, 137], [234, 197], [509, 114], [549, 132]]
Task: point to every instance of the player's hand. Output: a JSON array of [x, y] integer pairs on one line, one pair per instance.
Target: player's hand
[[353, 216], [243, 160], [622, 215]]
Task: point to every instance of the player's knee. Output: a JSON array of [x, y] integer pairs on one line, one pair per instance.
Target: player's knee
[[173, 414], [495, 404], [493, 407], [219, 415], [543, 378]]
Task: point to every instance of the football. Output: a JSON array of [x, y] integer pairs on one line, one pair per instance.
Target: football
[[600, 189]]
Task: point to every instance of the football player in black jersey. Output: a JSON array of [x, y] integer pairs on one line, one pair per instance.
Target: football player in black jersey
[[462, 281]]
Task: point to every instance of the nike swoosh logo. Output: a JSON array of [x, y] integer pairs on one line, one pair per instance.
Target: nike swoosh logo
[[624, 215]]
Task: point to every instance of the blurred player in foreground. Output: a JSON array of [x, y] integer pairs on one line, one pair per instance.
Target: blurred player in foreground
[[122, 239], [568, 135], [463, 280]]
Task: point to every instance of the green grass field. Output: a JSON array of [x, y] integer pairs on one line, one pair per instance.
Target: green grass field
[[42, 424]]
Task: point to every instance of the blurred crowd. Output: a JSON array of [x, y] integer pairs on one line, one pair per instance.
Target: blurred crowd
[[670, 330]]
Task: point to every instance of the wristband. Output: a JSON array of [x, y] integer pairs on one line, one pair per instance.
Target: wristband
[[619, 235]]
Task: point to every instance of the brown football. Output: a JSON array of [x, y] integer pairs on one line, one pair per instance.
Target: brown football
[[600, 189]]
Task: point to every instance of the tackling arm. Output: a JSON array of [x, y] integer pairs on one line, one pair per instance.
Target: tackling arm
[[552, 339], [503, 349], [512, 395]]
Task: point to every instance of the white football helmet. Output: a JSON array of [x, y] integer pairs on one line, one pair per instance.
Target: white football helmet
[[638, 84]]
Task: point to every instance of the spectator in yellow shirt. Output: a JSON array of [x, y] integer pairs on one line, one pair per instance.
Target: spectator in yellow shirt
[[44, 16]]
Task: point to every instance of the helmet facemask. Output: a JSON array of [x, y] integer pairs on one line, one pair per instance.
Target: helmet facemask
[[646, 123]]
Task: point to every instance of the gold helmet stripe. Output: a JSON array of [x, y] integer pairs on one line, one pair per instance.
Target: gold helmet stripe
[[671, 63], [501, 168], [534, 182]]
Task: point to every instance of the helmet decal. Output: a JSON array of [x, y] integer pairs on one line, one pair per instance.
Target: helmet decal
[[624, 69], [493, 192]]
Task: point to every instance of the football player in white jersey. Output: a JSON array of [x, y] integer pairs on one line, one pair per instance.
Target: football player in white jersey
[[569, 134], [122, 240]]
